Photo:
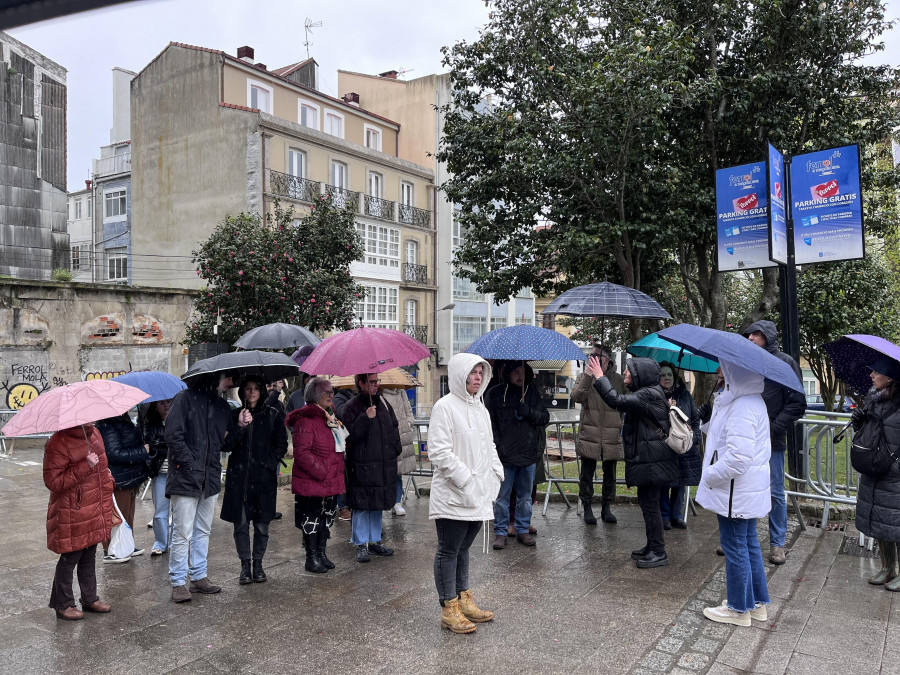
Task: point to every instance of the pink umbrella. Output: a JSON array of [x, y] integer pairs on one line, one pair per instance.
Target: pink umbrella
[[364, 350], [73, 405]]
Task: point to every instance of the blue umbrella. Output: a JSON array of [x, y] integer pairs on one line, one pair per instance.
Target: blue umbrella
[[606, 299], [159, 385], [852, 355], [526, 343], [732, 348], [659, 349]]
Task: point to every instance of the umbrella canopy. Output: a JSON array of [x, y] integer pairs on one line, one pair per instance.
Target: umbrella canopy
[[364, 350], [526, 343], [301, 355], [269, 366], [852, 355], [659, 349], [720, 346], [395, 378], [73, 405], [606, 299], [277, 336], [159, 386]]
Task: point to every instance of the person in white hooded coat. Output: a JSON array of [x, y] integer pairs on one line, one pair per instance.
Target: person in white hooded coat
[[735, 485], [467, 477]]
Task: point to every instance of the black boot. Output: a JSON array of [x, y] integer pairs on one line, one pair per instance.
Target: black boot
[[245, 577], [259, 574], [322, 539], [607, 514], [589, 517], [313, 562]]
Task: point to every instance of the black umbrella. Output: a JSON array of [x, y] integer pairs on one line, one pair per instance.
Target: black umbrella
[[277, 336], [269, 366]]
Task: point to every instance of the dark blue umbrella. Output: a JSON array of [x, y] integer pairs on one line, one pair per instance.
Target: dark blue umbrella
[[159, 385], [269, 366], [526, 343], [732, 348], [606, 299], [659, 349], [852, 355]]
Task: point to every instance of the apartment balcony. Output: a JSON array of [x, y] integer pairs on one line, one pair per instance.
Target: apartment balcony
[[109, 166], [294, 187], [343, 198], [415, 274], [419, 333], [376, 207], [410, 215]]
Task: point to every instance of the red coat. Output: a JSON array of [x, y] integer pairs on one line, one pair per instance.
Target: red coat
[[318, 470], [80, 513]]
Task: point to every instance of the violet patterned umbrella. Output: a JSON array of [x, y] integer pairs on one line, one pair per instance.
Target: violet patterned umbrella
[[852, 355]]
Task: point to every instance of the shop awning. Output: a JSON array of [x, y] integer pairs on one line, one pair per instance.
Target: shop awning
[[547, 365]]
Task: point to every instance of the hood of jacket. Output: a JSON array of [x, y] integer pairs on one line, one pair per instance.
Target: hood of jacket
[[511, 366], [308, 411], [263, 394], [458, 368], [739, 382], [644, 372], [768, 329]]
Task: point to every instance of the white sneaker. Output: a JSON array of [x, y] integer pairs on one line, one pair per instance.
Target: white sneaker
[[137, 551], [724, 614], [758, 613], [398, 509], [112, 560]]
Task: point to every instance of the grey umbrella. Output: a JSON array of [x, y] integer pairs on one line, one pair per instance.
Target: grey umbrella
[[606, 299], [269, 366], [277, 336]]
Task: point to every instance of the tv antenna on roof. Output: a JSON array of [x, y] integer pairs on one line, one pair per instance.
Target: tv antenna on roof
[[308, 25], [401, 71]]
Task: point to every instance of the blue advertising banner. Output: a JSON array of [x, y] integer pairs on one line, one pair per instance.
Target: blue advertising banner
[[778, 243], [742, 221], [827, 206]]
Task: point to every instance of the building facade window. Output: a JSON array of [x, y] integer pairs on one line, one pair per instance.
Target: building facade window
[[406, 193], [411, 307], [339, 175], [334, 123], [77, 209], [115, 203], [467, 329], [376, 184], [78, 263], [412, 252], [90, 208], [260, 96], [296, 163], [382, 244], [117, 264], [459, 233], [498, 322], [308, 114], [464, 289], [379, 308], [372, 137]]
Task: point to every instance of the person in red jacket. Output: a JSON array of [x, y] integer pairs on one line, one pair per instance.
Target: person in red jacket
[[80, 515], [318, 473]]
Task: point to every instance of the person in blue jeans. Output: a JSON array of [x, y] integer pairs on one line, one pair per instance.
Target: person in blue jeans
[[735, 486], [518, 418], [158, 468]]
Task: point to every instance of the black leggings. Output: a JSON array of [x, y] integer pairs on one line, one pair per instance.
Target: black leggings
[[648, 498], [451, 562]]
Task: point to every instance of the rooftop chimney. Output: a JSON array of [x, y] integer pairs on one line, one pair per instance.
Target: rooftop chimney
[[389, 75], [245, 54], [351, 99], [87, 184], [261, 66]]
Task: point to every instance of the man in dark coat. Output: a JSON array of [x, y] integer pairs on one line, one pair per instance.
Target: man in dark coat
[[198, 428], [785, 407], [371, 462], [518, 417]]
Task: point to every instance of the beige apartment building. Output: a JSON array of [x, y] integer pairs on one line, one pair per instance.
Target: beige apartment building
[[214, 134]]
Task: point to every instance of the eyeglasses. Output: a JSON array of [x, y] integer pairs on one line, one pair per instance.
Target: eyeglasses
[[328, 392], [372, 381]]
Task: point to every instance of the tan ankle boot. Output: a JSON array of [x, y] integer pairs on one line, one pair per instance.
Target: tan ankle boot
[[452, 619], [470, 611]]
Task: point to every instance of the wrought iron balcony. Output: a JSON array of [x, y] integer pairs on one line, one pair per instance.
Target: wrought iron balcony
[[294, 187], [379, 208], [343, 198], [415, 274], [410, 215], [419, 333]]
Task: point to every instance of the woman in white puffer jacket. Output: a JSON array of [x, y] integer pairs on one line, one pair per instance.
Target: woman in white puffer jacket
[[735, 486], [467, 477]]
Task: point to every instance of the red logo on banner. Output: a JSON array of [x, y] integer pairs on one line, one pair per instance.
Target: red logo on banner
[[825, 190], [778, 190], [746, 203]]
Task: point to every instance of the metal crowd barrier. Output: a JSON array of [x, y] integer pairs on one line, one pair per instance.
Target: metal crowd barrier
[[6, 450]]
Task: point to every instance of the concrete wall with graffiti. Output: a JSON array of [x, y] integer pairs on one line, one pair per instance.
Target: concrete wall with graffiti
[[53, 334]]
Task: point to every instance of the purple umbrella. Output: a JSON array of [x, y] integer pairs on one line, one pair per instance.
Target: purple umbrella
[[301, 354], [852, 355]]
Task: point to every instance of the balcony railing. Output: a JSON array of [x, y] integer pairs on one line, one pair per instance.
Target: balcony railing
[[415, 274], [419, 333], [285, 185], [343, 198], [410, 215], [379, 208], [108, 166]]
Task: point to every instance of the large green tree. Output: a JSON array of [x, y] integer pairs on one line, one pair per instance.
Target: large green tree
[[278, 269]]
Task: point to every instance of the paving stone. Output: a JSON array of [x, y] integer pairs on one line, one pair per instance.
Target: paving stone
[[707, 646], [694, 662], [669, 645], [656, 660]]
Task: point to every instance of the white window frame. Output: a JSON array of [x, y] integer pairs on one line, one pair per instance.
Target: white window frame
[[498, 322], [345, 174], [467, 329], [76, 258], [260, 85], [464, 289], [379, 309], [407, 193], [459, 233], [90, 207], [293, 155], [77, 209], [309, 104], [381, 244], [113, 196], [412, 307], [376, 185], [412, 252], [377, 135], [336, 115], [117, 263]]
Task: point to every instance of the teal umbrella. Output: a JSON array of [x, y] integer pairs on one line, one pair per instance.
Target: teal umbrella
[[659, 349]]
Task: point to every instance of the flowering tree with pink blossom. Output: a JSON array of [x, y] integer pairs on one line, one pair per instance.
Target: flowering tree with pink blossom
[[278, 268]]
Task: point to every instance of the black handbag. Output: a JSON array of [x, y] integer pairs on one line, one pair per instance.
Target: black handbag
[[869, 453]]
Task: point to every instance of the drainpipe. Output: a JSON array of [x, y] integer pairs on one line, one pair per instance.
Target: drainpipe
[[221, 78]]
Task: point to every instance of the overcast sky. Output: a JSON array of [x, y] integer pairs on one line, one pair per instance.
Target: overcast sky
[[366, 37]]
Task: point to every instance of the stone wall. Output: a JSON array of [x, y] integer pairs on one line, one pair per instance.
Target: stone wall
[[53, 334]]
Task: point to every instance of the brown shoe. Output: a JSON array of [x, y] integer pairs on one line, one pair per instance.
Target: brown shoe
[[525, 539], [470, 610], [532, 529], [181, 594], [98, 606], [499, 542], [452, 618], [203, 586], [511, 530], [344, 514], [777, 555], [70, 614]]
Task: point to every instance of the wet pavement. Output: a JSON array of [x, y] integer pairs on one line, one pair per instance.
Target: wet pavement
[[574, 603]]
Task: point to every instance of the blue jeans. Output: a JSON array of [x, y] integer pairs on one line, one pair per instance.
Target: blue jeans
[[399, 489], [778, 514], [365, 527], [191, 522], [745, 575], [671, 503], [160, 513], [520, 477]]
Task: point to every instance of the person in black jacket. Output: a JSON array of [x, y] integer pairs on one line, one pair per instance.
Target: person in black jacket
[[518, 417], [158, 469], [785, 407], [127, 459], [251, 480], [649, 463], [198, 428], [371, 463], [690, 464]]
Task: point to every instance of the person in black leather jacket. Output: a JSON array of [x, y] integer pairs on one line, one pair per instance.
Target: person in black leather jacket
[[649, 463], [158, 469]]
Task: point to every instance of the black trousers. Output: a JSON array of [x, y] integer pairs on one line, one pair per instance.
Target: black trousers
[[586, 479], [648, 498], [312, 514], [61, 594], [451, 562], [242, 537]]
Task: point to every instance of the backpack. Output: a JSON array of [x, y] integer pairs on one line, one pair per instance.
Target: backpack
[[681, 436], [869, 452]]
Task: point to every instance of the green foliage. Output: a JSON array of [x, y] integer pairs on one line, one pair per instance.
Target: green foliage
[[278, 269], [62, 274]]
